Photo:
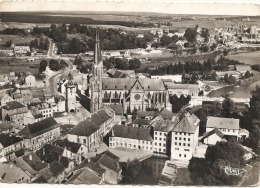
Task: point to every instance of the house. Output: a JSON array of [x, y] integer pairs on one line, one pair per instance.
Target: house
[[243, 68], [86, 176], [10, 173], [50, 153], [144, 123], [91, 131], [4, 98], [30, 163], [212, 137], [21, 95], [32, 116], [173, 78], [110, 163], [131, 137], [162, 135], [40, 133], [184, 138], [9, 145], [21, 50], [148, 115], [221, 74], [166, 114], [119, 111], [14, 111], [57, 172], [183, 89], [228, 126], [30, 80], [71, 150], [6, 127]]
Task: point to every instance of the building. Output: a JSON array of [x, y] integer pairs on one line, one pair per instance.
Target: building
[[30, 81], [162, 135], [40, 133], [142, 123], [14, 111], [119, 112], [21, 50], [183, 89], [148, 115], [243, 68], [91, 131], [184, 138], [173, 78], [110, 163], [6, 127], [4, 98], [228, 126], [10, 173], [9, 145], [70, 99], [132, 93], [212, 137], [32, 116], [131, 137]]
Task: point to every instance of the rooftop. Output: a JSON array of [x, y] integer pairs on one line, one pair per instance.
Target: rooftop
[[222, 123], [71, 146], [188, 124], [13, 105], [8, 140]]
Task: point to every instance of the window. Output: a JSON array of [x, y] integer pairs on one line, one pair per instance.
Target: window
[[184, 144], [155, 143], [160, 134], [175, 138], [184, 155], [160, 138], [179, 144], [175, 143], [184, 134], [163, 150], [159, 149], [155, 133], [164, 145], [186, 150], [234, 131], [188, 144], [176, 148], [188, 139], [155, 138], [160, 144], [179, 155], [180, 138], [84, 141], [165, 134], [164, 139]]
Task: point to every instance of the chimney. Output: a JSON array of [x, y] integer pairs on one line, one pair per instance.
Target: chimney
[[30, 157]]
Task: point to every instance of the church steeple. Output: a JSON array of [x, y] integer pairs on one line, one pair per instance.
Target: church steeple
[[96, 96]]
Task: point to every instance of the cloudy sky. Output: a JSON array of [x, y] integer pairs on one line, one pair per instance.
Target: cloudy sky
[[231, 7]]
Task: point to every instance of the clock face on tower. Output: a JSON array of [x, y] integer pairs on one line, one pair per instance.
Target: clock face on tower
[[137, 97]]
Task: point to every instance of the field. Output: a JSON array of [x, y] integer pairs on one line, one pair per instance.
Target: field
[[18, 65], [250, 58], [17, 39], [4, 25]]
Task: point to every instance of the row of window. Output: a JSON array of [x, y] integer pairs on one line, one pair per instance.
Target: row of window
[[160, 150], [123, 139], [183, 144], [227, 130], [184, 149], [184, 139], [159, 144], [176, 133], [165, 134], [164, 139], [130, 145]]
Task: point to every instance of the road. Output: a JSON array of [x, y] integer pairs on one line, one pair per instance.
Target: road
[[51, 81]]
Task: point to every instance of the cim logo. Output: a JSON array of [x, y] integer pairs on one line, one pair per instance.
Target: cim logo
[[233, 171]]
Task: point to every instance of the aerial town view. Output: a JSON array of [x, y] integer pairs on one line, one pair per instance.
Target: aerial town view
[[130, 98]]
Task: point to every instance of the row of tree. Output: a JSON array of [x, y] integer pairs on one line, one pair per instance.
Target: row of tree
[[54, 65], [42, 43], [122, 64]]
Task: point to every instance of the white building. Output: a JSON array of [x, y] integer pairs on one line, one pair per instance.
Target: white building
[[228, 126], [174, 78], [212, 137], [30, 80], [131, 137], [184, 138]]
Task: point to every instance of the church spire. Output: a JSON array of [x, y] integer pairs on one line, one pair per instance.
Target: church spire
[[97, 53]]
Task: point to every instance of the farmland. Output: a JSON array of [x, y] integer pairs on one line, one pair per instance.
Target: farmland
[[17, 39], [250, 58], [18, 65]]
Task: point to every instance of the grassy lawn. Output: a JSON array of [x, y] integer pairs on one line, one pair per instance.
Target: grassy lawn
[[18, 65], [250, 58]]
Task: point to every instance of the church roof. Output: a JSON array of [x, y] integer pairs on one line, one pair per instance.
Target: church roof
[[127, 83]]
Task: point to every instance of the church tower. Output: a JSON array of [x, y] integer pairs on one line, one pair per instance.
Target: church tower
[[70, 100], [97, 74]]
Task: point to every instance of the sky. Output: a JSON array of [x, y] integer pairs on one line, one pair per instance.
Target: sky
[[231, 7]]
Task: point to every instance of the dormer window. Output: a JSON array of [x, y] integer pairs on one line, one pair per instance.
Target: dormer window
[[115, 86]]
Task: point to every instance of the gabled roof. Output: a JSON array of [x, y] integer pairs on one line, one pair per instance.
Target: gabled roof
[[171, 85], [166, 114], [38, 128], [222, 123], [117, 108], [85, 176], [163, 125], [142, 114], [91, 165], [5, 126], [8, 140], [142, 121], [214, 131], [84, 128], [49, 153], [40, 179], [71, 146], [132, 132], [56, 168], [13, 105], [109, 162], [186, 125]]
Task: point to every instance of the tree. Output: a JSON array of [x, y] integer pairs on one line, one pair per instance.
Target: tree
[[7, 117], [54, 65], [254, 104], [43, 65], [247, 74], [134, 64], [190, 35], [130, 171], [211, 170], [227, 106]]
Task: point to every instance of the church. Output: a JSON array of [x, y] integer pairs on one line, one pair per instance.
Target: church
[[132, 93]]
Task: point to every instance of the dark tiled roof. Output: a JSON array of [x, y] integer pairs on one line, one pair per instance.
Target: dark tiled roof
[[214, 131], [5, 126], [85, 176], [142, 114], [13, 105], [109, 163], [38, 128], [56, 168], [84, 128], [119, 74], [91, 165], [40, 179], [132, 132], [166, 114], [49, 153], [34, 162], [8, 140], [163, 125], [142, 121], [71, 146], [117, 108]]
